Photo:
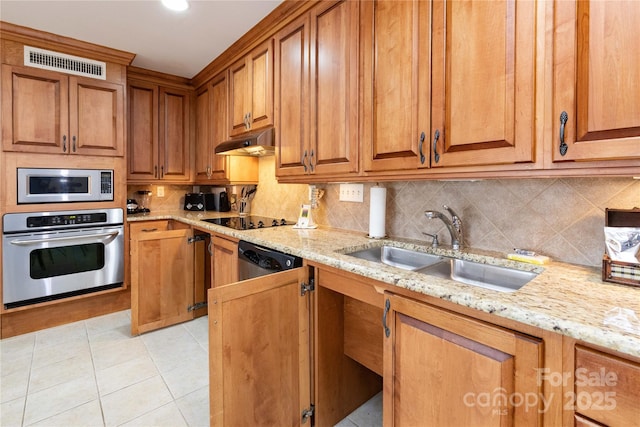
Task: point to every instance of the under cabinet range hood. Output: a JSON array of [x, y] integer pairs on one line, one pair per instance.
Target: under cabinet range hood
[[255, 144]]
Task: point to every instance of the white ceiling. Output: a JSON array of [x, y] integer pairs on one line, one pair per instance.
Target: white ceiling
[[180, 43]]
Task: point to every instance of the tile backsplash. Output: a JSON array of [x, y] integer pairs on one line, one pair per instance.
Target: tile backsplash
[[559, 217]]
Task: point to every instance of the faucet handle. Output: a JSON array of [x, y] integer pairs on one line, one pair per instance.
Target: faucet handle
[[434, 242], [453, 214]]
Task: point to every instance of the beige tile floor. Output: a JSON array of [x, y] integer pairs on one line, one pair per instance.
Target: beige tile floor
[[94, 373]]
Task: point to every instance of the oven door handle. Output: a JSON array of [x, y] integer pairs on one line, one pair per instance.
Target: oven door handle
[[97, 236]]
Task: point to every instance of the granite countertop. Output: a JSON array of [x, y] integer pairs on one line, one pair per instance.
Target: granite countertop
[[567, 299]]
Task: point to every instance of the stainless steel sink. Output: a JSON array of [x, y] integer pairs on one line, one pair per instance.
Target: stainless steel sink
[[494, 277], [398, 257], [488, 276]]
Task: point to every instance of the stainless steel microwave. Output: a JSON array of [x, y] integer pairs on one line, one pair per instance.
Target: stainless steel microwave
[[40, 185]]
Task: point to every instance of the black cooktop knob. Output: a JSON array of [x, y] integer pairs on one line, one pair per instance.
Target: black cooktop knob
[[251, 225], [283, 221], [260, 224], [274, 223]]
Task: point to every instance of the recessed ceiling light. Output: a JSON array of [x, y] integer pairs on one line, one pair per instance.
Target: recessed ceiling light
[[177, 5]]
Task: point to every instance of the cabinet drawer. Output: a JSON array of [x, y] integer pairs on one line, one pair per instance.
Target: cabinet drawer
[[139, 228], [607, 388]]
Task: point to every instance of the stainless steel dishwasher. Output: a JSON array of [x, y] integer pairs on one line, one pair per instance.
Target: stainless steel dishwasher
[[255, 261]]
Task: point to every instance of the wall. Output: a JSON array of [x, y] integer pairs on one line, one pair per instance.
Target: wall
[[562, 218]]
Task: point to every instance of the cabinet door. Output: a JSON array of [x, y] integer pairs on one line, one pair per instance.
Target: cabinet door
[[260, 351], [442, 368], [35, 115], [483, 72], [292, 98], [202, 144], [605, 389], [96, 117], [251, 90], [597, 84], [142, 152], [225, 261], [161, 276], [175, 146], [238, 97], [211, 128], [396, 52], [261, 86], [219, 130], [334, 88]]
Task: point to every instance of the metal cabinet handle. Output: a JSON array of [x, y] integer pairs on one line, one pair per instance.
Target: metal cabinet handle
[[149, 230], [311, 161], [73, 144], [162, 171], [303, 160], [64, 143], [422, 157], [387, 306], [155, 171], [564, 117], [436, 156]]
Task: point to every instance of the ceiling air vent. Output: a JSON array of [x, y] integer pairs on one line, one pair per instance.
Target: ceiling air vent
[[50, 60]]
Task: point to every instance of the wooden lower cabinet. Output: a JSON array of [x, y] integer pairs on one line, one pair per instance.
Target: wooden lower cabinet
[[603, 390], [442, 368], [162, 274], [259, 351], [225, 260], [275, 352]]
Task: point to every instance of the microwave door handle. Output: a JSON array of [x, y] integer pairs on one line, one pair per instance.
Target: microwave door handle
[[97, 236]]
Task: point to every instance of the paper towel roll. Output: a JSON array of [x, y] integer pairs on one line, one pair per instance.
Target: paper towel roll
[[377, 212]]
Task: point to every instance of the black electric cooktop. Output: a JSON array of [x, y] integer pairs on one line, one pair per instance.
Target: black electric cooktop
[[249, 222]]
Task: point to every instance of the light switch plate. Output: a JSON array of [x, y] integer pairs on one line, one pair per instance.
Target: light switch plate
[[352, 193], [160, 191]]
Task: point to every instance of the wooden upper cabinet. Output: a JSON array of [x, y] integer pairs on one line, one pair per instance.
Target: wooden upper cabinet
[[251, 90], [159, 142], [441, 368], [396, 54], [597, 84], [291, 89], [142, 154], [175, 145], [211, 130], [49, 112], [202, 148], [334, 88], [483, 82], [316, 92]]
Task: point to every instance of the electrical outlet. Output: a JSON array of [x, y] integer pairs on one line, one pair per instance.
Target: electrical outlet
[[352, 192], [160, 191]]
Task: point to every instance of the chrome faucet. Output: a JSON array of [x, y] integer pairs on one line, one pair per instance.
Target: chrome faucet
[[454, 225]]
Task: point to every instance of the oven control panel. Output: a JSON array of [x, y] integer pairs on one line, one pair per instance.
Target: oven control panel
[[70, 219]]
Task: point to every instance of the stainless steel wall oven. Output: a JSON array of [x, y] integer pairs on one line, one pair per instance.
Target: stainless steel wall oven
[[52, 255]]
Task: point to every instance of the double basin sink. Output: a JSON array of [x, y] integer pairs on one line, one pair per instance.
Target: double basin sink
[[494, 277]]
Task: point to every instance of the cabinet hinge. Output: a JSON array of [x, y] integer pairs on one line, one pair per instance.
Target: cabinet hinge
[[197, 238], [307, 413], [304, 288], [197, 306]]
